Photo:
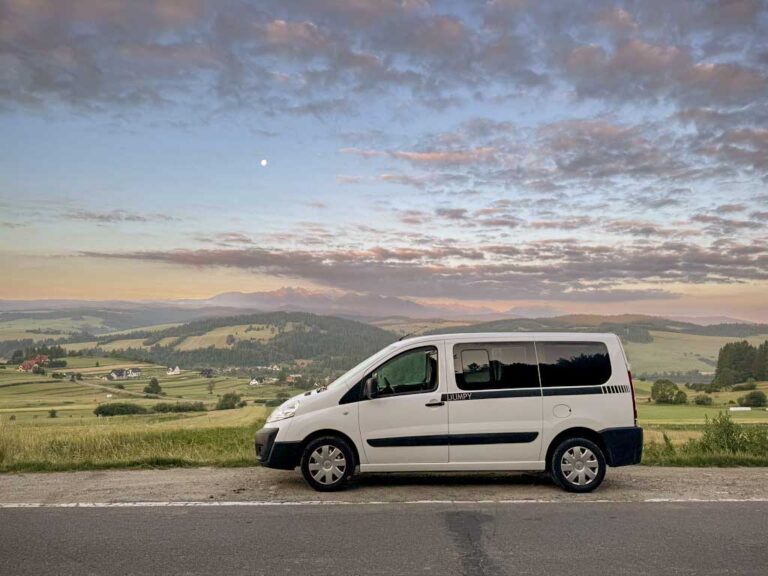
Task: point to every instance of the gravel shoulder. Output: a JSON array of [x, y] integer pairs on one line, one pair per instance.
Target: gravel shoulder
[[631, 484]]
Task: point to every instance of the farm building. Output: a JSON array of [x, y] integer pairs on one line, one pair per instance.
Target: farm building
[[29, 365], [122, 374], [254, 382], [173, 371]]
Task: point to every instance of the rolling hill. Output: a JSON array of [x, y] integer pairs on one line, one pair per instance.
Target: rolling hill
[[250, 340]]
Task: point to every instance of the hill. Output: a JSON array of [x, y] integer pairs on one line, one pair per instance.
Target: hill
[[656, 346], [631, 327], [247, 340]]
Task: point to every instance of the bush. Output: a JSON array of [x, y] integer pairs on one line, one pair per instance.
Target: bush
[[667, 392], [722, 434], [119, 409], [755, 399], [229, 401], [120, 386], [153, 387], [748, 385], [52, 413], [703, 400], [179, 407]]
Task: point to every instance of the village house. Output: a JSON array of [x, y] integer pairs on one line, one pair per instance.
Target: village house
[[122, 374], [173, 371], [29, 365], [291, 378], [254, 382]]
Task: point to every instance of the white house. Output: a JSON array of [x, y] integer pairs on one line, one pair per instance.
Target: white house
[[254, 382], [173, 371]]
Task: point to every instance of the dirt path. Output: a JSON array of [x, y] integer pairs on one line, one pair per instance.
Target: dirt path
[[630, 484]]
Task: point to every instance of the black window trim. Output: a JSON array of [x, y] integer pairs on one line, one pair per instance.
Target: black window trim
[[431, 347], [482, 343]]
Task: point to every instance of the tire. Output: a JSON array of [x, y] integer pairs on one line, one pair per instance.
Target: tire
[[577, 465], [327, 463]]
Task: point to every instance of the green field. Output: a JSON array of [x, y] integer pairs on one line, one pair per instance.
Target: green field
[[672, 352], [60, 327], [77, 439]]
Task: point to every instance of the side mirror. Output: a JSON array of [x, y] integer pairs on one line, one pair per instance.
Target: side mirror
[[370, 389]]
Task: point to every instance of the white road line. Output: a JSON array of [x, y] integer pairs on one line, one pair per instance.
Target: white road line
[[245, 503]]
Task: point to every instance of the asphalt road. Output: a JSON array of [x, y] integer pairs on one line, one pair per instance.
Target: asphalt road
[[394, 538]]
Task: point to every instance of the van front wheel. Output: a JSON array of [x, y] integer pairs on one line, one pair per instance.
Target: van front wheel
[[578, 465], [327, 463]]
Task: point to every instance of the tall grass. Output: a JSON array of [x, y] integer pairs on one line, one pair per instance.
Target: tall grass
[[723, 443], [30, 448]]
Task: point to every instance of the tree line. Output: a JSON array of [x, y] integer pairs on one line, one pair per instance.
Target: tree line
[[739, 362]]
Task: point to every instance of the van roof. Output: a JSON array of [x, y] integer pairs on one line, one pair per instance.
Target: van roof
[[490, 336]]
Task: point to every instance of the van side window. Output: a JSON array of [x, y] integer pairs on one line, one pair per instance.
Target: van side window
[[412, 371], [573, 363], [494, 366]]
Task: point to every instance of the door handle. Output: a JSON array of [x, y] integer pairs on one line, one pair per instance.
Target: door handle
[[434, 402]]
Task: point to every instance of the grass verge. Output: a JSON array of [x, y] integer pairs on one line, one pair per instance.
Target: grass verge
[[25, 449], [722, 443]]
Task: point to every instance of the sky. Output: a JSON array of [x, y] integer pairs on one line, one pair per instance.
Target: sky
[[601, 157]]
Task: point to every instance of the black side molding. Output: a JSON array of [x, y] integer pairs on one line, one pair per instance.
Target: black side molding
[[455, 439], [624, 446]]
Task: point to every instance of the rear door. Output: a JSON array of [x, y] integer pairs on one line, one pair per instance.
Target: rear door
[[494, 402], [407, 423]]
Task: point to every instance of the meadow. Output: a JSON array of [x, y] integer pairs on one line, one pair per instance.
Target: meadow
[[32, 440], [678, 352]]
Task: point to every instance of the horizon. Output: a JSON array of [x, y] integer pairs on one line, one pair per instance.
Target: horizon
[[610, 159]]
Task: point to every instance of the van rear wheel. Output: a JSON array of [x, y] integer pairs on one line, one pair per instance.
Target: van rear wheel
[[327, 463], [578, 465]]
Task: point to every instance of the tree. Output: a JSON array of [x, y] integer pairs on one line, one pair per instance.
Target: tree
[[667, 392], [230, 339], [153, 387], [52, 413], [702, 400], [229, 401], [17, 357], [760, 366], [755, 399], [211, 386], [737, 357]]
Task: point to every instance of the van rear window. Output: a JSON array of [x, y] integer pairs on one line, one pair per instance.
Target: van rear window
[[573, 363]]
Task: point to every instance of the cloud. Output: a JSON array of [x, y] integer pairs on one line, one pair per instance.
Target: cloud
[[556, 269], [115, 216], [325, 57]]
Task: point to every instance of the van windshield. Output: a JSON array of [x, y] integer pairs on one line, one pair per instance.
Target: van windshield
[[349, 374]]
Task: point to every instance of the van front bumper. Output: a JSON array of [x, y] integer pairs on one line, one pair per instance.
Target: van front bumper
[[623, 446], [272, 454]]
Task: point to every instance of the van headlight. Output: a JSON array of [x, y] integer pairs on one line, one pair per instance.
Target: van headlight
[[287, 410]]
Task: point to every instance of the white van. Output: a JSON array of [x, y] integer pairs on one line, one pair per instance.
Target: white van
[[563, 403]]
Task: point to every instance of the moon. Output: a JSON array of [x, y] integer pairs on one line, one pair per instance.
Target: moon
[[264, 162]]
